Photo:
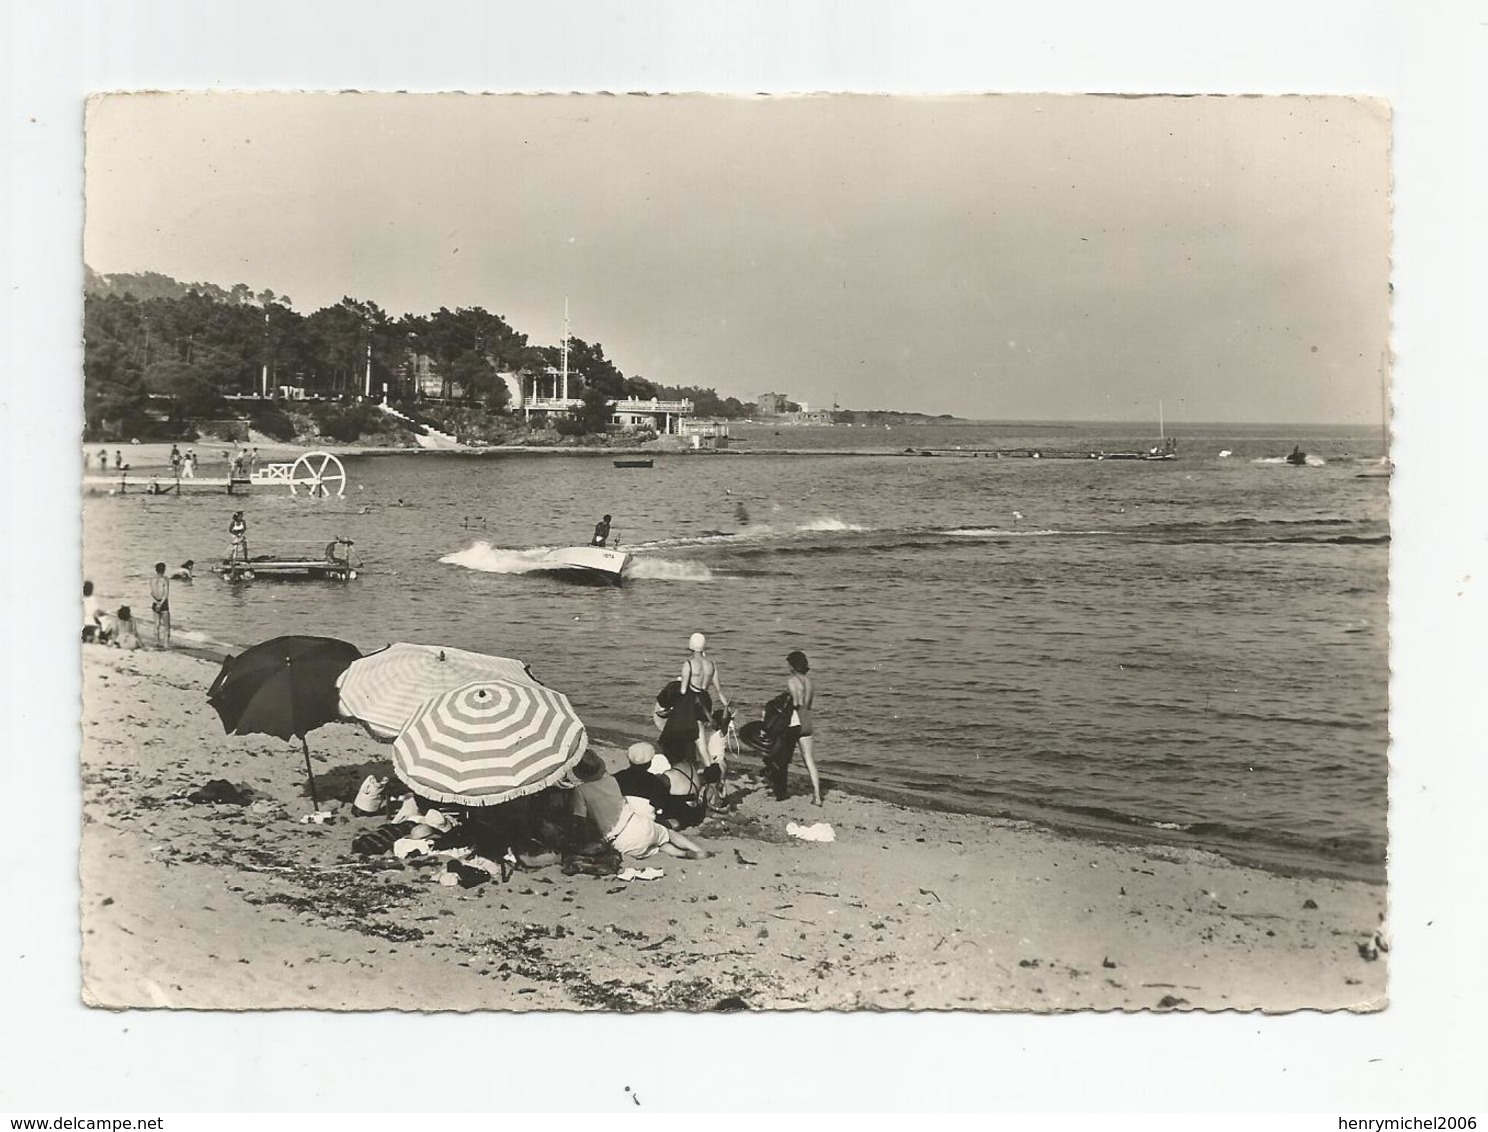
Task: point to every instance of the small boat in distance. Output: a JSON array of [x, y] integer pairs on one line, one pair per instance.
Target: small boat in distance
[[1166, 447], [634, 463], [1296, 457], [593, 565]]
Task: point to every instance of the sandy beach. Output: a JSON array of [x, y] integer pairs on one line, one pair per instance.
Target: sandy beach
[[217, 906]]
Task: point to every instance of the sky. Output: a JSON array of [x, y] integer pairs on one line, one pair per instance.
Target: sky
[[1016, 257]]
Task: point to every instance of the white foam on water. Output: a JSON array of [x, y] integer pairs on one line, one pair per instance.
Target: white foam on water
[[1312, 461], [999, 532], [490, 559], [666, 570], [828, 523]]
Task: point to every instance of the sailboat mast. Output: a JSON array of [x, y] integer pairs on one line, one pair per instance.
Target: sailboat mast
[[565, 347], [1385, 406], [1160, 434]]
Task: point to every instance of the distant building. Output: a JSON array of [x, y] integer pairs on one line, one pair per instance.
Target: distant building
[[772, 404]]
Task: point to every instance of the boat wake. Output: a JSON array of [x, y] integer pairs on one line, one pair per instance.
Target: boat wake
[[487, 559], [1312, 461], [667, 570], [1002, 532], [753, 533], [490, 559]]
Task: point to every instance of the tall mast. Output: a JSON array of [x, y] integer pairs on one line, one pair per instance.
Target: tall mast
[[565, 348], [264, 381], [1385, 405], [1160, 435]]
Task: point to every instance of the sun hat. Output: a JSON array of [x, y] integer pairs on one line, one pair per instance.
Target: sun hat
[[590, 768], [697, 642], [641, 754]]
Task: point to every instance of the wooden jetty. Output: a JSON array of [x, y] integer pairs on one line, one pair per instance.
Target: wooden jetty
[[125, 484], [320, 474]]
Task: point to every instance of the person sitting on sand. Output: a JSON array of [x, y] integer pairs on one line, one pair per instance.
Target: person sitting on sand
[[120, 630], [627, 824], [672, 791], [93, 627], [160, 604]]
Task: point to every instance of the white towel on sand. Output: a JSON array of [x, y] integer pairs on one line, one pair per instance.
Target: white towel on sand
[[821, 831]]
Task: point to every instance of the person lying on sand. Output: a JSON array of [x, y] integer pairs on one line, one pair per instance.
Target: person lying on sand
[[627, 824]]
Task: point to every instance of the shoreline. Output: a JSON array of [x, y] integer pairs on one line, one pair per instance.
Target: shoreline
[[208, 907], [609, 731]]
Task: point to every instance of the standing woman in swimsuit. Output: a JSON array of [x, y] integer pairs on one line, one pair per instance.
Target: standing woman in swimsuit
[[802, 694], [699, 677]]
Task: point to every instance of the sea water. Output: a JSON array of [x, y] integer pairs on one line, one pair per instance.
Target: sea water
[[1191, 651]]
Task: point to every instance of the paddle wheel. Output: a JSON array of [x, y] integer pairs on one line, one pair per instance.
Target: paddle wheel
[[319, 473]]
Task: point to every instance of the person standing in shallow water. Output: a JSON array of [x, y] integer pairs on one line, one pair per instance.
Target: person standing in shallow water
[[803, 693], [160, 603]]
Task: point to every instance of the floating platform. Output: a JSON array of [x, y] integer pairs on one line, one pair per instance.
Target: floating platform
[[286, 569], [642, 463]]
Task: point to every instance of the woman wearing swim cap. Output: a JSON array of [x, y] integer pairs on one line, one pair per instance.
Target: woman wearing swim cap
[[699, 677]]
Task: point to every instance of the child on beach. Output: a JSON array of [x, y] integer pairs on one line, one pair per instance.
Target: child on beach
[[93, 627], [627, 824], [160, 604]]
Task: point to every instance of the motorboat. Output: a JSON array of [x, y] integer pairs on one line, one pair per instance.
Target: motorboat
[[595, 565], [1296, 457]]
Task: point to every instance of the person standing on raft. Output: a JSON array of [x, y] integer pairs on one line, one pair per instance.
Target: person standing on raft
[[238, 530]]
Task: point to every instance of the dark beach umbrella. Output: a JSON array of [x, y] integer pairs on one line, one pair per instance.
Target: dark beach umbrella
[[284, 687]]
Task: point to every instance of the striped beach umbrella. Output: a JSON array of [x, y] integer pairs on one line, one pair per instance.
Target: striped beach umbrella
[[384, 690], [488, 742]]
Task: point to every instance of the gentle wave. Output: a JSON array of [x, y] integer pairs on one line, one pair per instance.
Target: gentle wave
[[1001, 532]]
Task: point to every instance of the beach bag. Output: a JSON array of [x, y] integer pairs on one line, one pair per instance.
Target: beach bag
[[596, 859]]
